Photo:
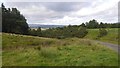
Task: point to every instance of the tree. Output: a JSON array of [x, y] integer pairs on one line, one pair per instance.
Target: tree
[[83, 25], [13, 21], [39, 33], [92, 24], [102, 25]]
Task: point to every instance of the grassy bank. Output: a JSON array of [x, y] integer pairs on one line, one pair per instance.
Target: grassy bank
[[111, 37], [20, 50]]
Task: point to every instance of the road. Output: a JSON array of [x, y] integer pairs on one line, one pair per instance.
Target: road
[[114, 47]]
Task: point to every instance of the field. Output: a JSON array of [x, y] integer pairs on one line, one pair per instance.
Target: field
[[111, 37], [22, 50]]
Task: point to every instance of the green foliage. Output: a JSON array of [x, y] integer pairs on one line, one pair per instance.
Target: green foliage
[[102, 25], [82, 32], [102, 32], [83, 25], [35, 32], [65, 32], [13, 21], [92, 24], [111, 37], [79, 52]]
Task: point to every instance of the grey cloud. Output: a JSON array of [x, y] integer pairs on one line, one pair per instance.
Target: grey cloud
[[55, 6], [22, 5], [60, 9], [65, 6]]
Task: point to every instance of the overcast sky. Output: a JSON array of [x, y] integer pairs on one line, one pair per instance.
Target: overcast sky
[[65, 13]]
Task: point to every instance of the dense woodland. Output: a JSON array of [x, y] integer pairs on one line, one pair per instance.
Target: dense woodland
[[14, 22]]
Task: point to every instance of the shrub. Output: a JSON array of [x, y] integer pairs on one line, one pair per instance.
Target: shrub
[[82, 31], [102, 32]]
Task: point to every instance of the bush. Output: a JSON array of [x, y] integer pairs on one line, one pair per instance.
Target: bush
[[82, 31], [102, 32]]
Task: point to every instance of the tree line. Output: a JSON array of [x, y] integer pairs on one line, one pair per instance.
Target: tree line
[[65, 32], [14, 22], [60, 32], [92, 24]]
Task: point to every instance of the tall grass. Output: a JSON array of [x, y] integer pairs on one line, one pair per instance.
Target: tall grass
[[36, 51]]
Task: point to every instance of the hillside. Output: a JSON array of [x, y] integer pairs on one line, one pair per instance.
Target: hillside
[[111, 37], [22, 50]]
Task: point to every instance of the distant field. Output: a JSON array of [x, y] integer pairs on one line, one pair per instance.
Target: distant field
[[111, 37], [21, 50], [41, 28]]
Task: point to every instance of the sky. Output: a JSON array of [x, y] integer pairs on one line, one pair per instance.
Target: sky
[[66, 12]]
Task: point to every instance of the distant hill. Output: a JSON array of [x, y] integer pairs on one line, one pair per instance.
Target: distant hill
[[44, 26]]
